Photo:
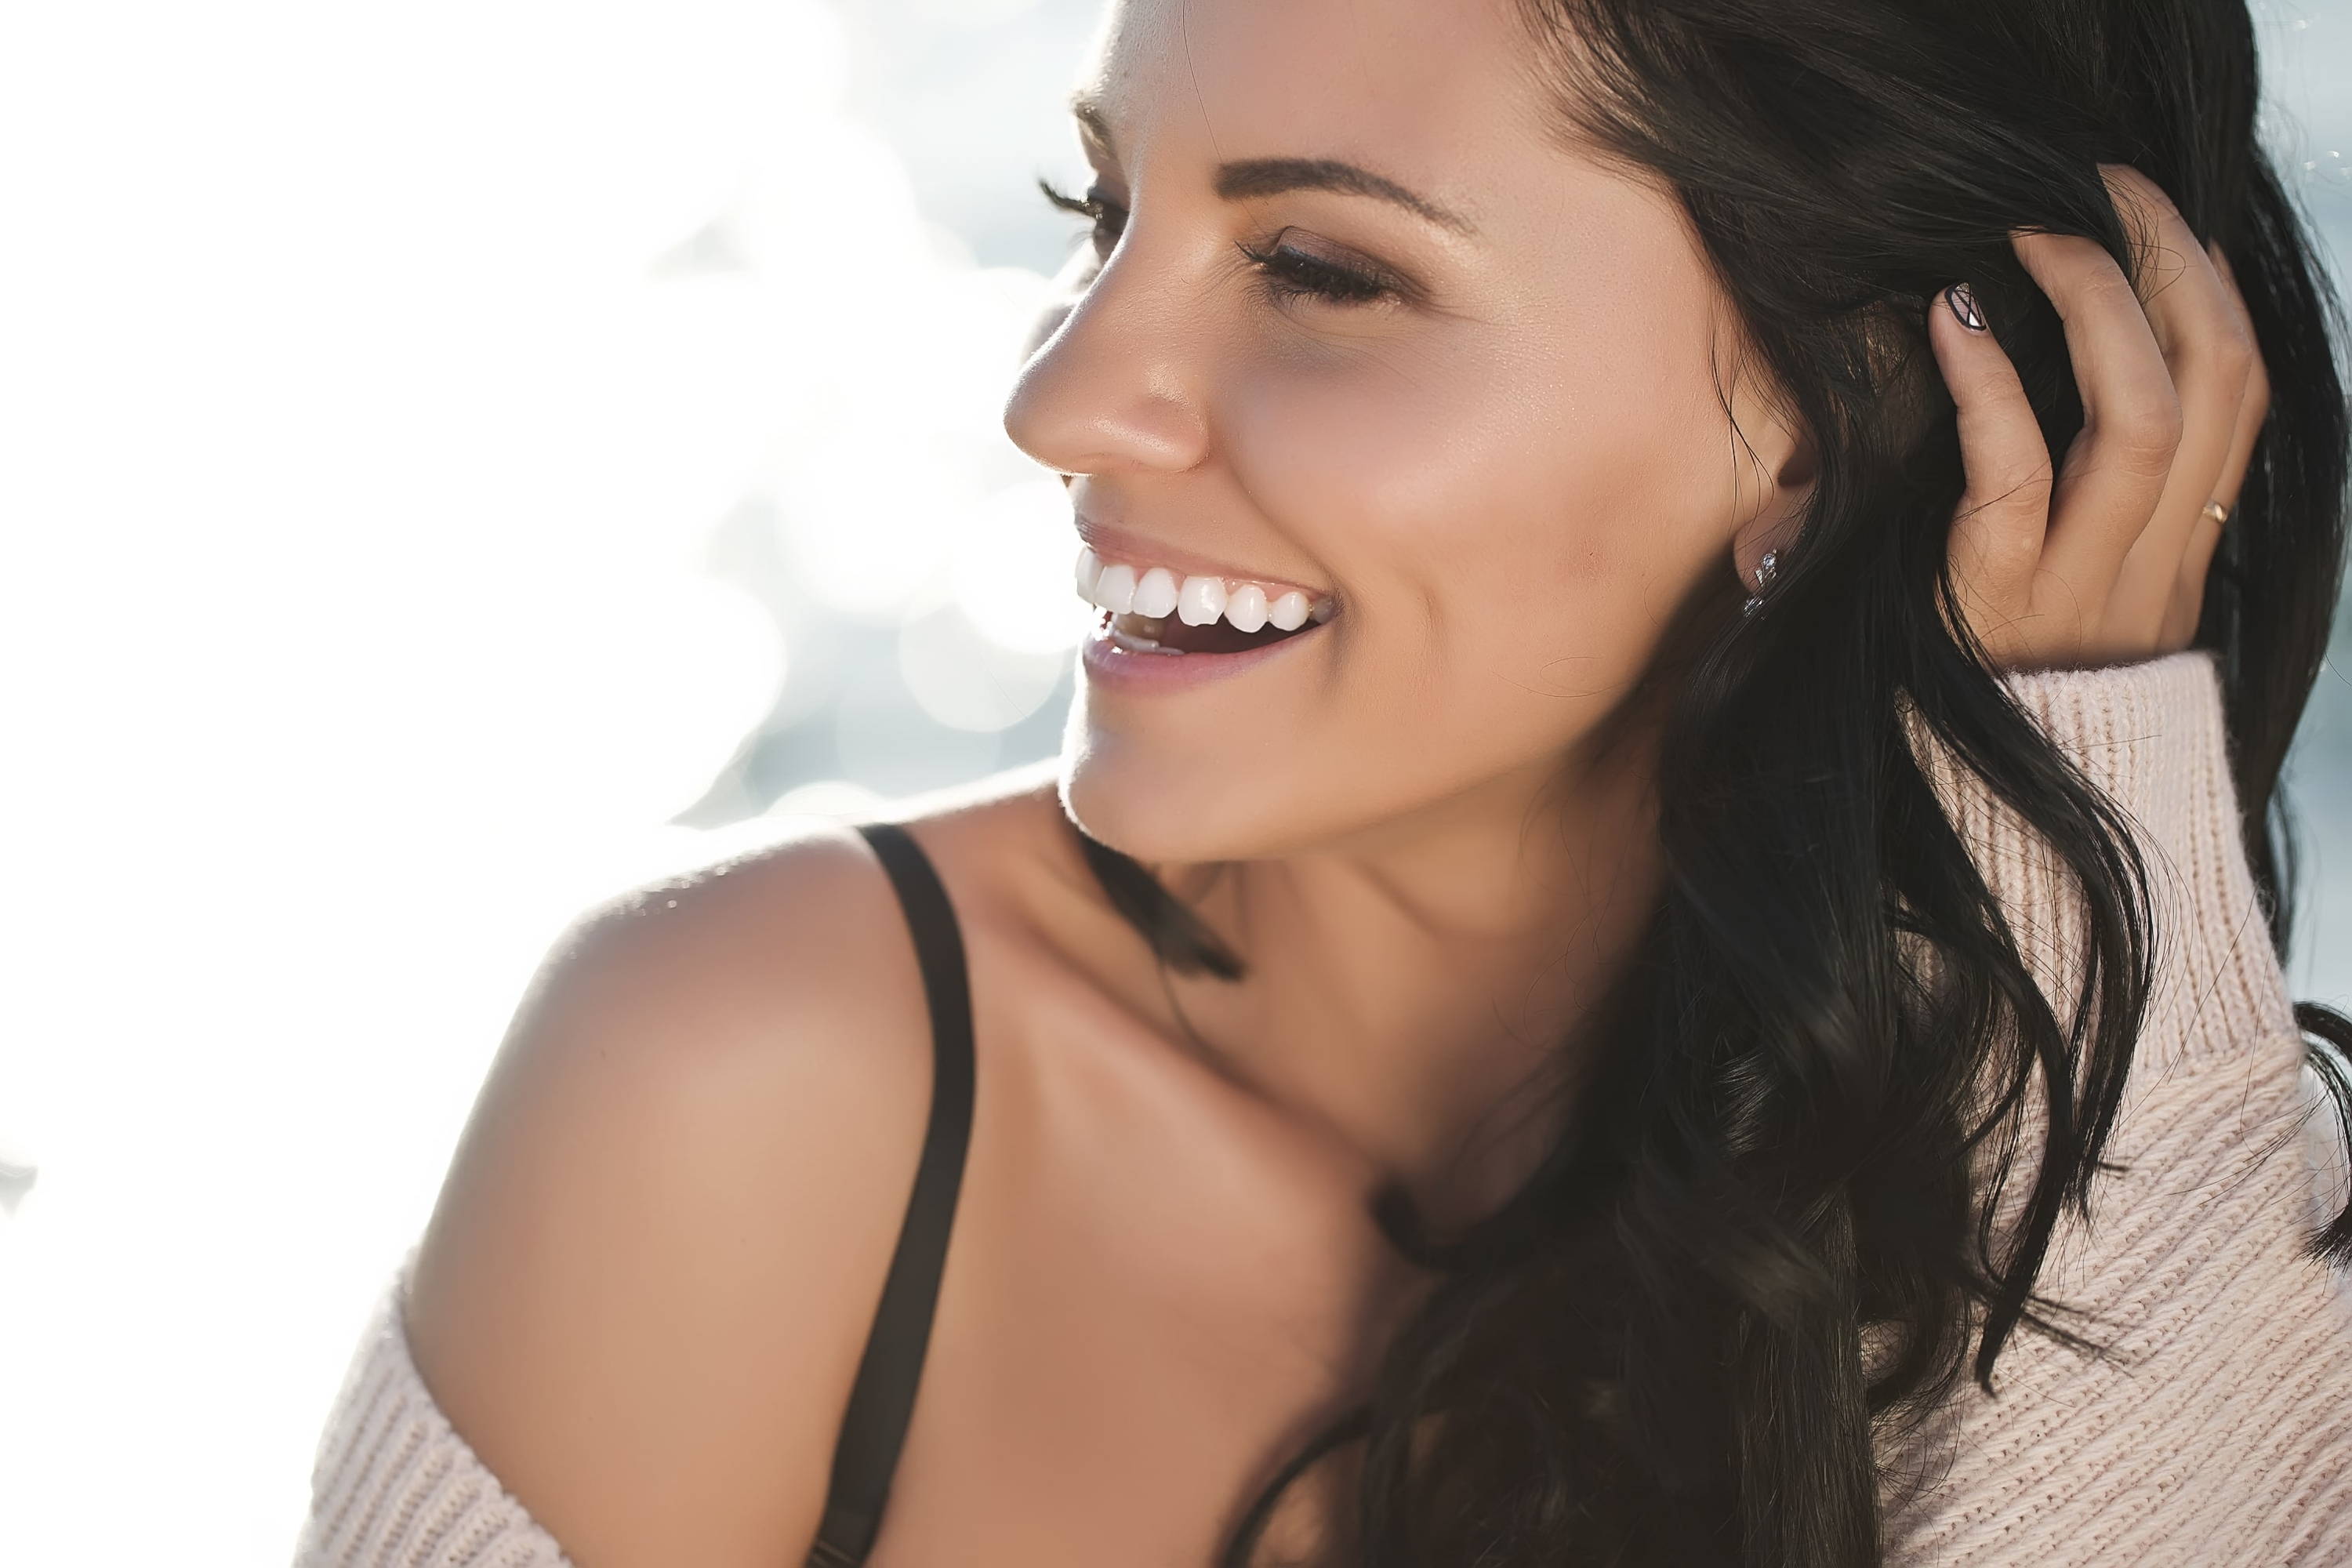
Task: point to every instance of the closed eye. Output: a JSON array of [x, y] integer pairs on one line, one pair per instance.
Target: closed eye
[[1289, 273]]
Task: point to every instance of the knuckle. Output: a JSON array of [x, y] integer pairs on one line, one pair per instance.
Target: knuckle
[[2149, 426], [2144, 462], [2024, 493], [2028, 491]]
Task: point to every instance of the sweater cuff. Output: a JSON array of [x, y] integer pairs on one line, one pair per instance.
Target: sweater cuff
[[2150, 736], [394, 1485]]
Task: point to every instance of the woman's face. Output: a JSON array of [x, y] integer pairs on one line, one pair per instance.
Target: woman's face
[[1357, 325]]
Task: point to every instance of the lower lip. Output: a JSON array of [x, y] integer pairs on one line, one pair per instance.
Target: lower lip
[[1108, 664]]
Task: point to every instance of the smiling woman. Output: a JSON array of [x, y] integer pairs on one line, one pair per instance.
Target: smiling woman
[[1638, 952]]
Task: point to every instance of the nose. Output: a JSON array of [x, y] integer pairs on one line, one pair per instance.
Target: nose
[[1112, 388]]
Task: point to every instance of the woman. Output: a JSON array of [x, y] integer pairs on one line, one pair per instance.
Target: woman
[[1655, 938]]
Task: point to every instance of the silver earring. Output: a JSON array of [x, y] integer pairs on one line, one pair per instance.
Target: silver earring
[[1766, 570]]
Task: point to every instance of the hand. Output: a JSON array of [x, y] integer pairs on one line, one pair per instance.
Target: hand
[[2107, 564]]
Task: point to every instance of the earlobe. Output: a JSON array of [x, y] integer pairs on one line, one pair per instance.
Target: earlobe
[[1762, 542], [1760, 549]]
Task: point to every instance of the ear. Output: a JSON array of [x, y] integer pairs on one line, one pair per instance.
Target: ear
[[1775, 521]]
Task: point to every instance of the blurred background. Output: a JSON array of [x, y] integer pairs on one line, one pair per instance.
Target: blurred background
[[462, 459]]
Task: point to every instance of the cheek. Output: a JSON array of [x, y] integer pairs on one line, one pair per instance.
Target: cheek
[[1494, 511]]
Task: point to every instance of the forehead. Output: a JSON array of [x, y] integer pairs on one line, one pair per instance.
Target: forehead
[[1419, 88]]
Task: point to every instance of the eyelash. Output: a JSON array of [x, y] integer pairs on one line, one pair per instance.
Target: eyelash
[[1288, 274]]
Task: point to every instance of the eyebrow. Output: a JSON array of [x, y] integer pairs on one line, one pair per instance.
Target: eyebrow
[[1247, 177]]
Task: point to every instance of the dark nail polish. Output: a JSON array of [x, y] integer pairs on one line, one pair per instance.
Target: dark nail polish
[[1963, 301]]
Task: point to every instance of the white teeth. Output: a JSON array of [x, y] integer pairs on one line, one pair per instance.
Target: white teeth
[[1115, 588], [1201, 600], [1155, 592]]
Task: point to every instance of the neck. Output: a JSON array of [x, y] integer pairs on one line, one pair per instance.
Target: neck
[[1405, 985]]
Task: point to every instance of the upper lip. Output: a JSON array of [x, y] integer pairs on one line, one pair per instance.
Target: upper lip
[[1118, 545]]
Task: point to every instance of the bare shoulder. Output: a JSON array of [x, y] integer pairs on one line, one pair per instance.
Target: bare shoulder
[[656, 1257]]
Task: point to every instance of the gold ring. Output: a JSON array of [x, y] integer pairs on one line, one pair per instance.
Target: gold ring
[[2218, 513]]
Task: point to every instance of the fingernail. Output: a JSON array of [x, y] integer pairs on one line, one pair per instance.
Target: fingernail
[[1963, 301]]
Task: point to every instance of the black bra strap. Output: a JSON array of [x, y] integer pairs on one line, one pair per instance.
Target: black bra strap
[[884, 1397]]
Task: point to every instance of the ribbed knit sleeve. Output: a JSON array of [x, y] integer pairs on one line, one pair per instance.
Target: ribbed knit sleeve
[[2214, 1428], [2151, 736], [394, 1485]]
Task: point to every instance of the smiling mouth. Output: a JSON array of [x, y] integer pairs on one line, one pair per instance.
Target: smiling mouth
[[1148, 609]]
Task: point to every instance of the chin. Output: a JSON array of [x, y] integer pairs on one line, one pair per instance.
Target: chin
[[1133, 799], [1122, 802]]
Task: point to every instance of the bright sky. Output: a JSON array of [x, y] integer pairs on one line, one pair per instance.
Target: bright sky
[[375, 378]]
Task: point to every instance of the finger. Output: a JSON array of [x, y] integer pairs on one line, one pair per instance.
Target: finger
[[2207, 349], [1997, 533], [2114, 471], [2253, 413]]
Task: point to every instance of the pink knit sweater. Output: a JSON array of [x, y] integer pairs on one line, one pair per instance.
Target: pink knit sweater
[[2216, 1433]]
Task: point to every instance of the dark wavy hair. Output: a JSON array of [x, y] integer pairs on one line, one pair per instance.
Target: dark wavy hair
[[1652, 1352]]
